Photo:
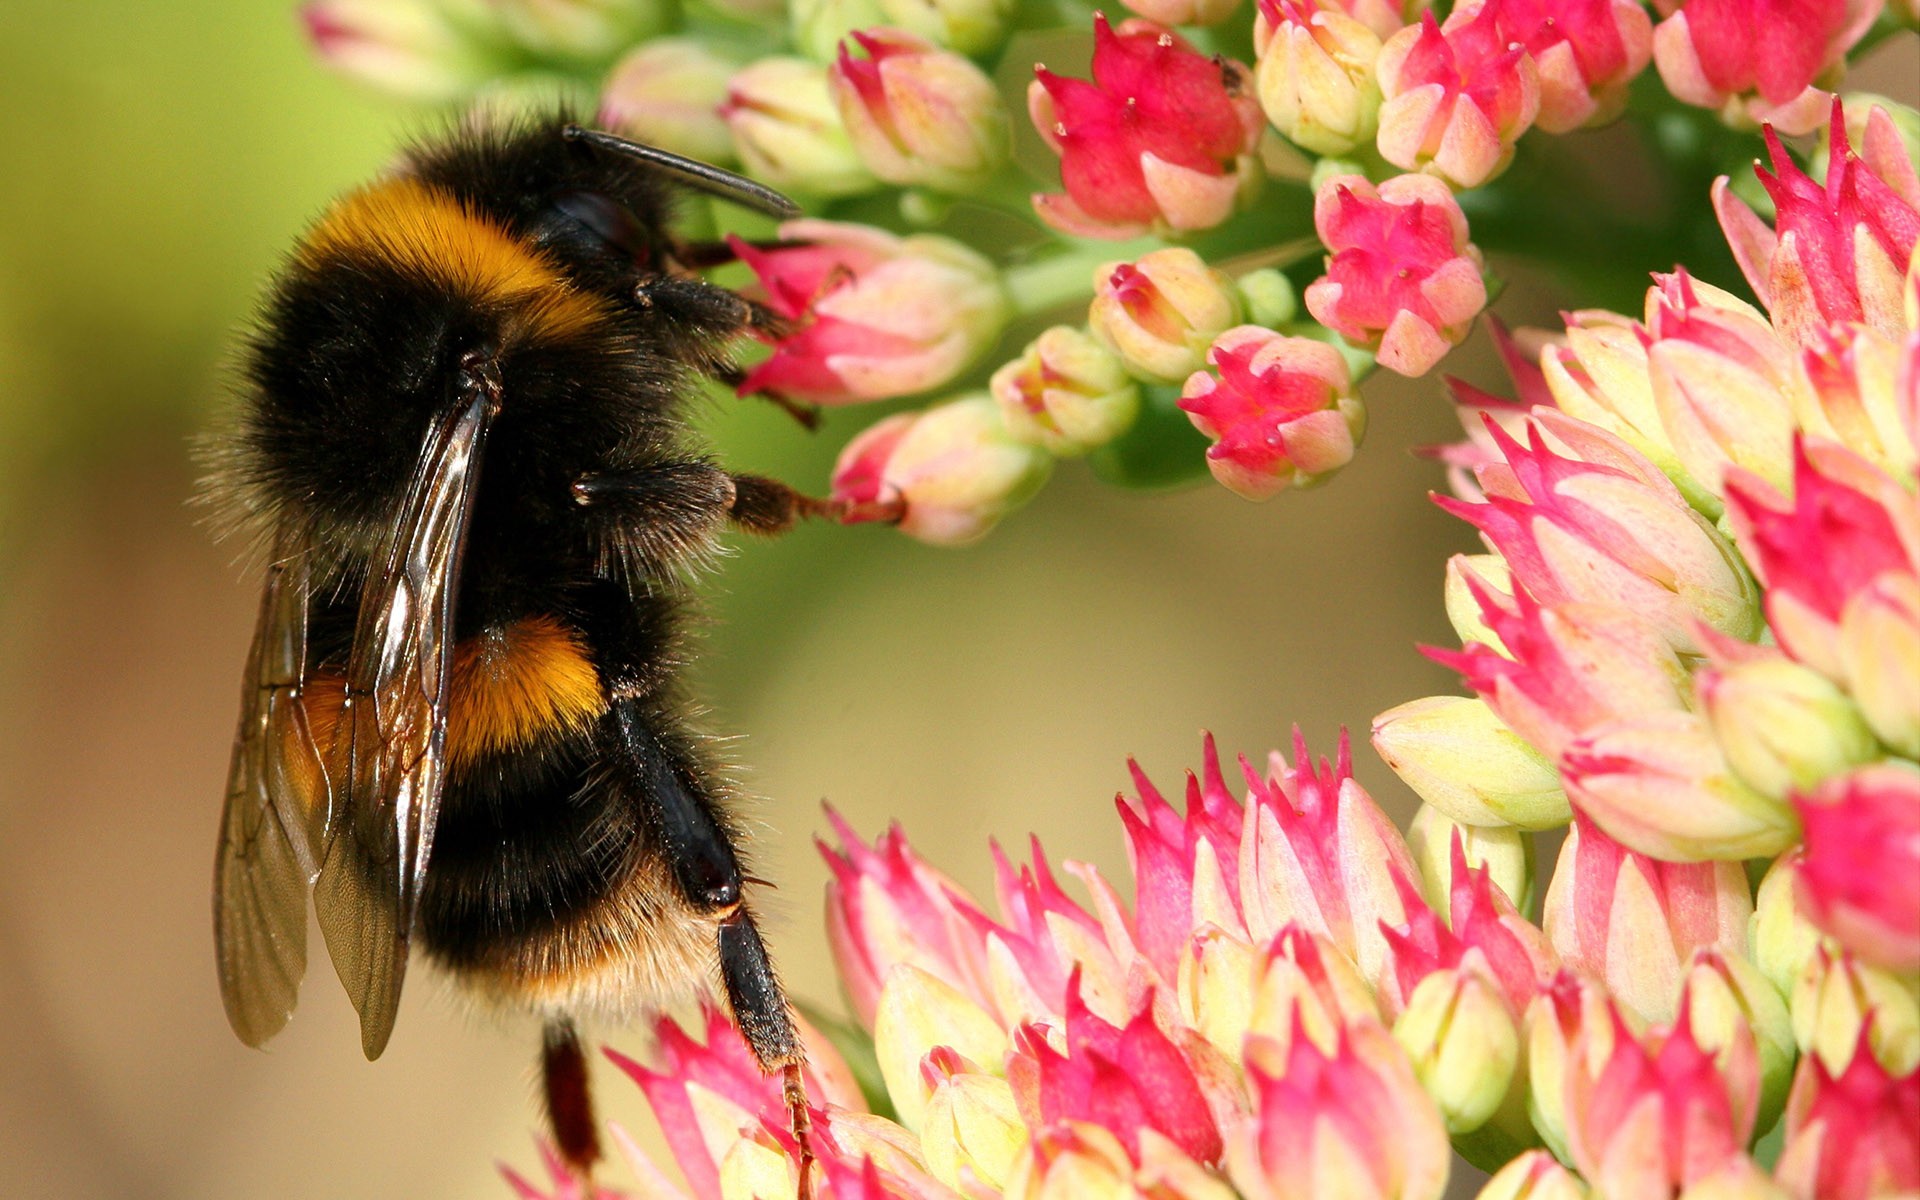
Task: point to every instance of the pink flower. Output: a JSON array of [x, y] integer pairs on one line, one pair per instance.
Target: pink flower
[[1402, 280], [404, 47], [918, 114], [1852, 1134], [1482, 932], [1182, 865], [1456, 97], [1161, 140], [1837, 250], [1660, 1113], [1586, 51], [1846, 526], [1635, 921], [1567, 668], [1315, 75], [1870, 815], [1281, 411], [1349, 1121], [885, 905], [874, 315], [1125, 1078], [1759, 59], [1602, 525], [945, 475], [1161, 312]]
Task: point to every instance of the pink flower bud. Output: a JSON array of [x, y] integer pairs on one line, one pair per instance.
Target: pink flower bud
[[1184, 867], [403, 47], [1852, 1133], [786, 130], [1351, 1121], [580, 31], [1162, 312], [1635, 921], [1504, 852], [1757, 62], [1782, 725], [1184, 12], [1281, 411], [1660, 1113], [1307, 988], [1603, 525], [667, 93], [886, 905], [1661, 784], [1783, 939], [1456, 97], [1459, 1033], [1566, 669], [1078, 1159], [1402, 280], [1723, 382], [1879, 639], [918, 115], [1125, 1078], [918, 1014], [1870, 815], [971, 1130], [1587, 52], [1837, 249], [1534, 1175], [1855, 377], [1569, 1027], [946, 475], [1161, 140], [875, 315], [1066, 393], [1315, 75], [1319, 851], [1838, 1000], [1725, 997], [1482, 932], [1846, 525]]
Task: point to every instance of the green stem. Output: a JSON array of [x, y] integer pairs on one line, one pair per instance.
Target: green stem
[[1041, 285]]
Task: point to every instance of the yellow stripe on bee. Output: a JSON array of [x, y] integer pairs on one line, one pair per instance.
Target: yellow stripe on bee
[[509, 688], [426, 232]]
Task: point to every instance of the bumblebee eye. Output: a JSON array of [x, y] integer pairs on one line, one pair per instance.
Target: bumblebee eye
[[608, 221]]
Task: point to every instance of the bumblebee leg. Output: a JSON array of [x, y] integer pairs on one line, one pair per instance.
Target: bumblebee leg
[[564, 1083], [762, 505], [765, 1019], [808, 415]]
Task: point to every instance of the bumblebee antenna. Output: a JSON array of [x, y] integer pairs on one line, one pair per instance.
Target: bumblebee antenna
[[705, 177]]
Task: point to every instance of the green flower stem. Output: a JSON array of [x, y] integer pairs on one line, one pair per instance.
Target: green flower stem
[[1046, 283]]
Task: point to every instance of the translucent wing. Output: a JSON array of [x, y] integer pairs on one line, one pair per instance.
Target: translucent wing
[[268, 835], [393, 728]]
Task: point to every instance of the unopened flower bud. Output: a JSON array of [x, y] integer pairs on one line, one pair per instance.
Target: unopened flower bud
[[964, 26], [1402, 280], [668, 93], [1570, 1028], [1535, 1175], [1738, 1178], [1492, 573], [1781, 937], [1754, 64], [1457, 97], [1281, 411], [1782, 726], [1308, 987], [1315, 75], [1851, 1130], [1838, 999], [1066, 393], [1726, 994], [1879, 641], [1216, 989], [916, 1013], [1464, 761], [1871, 815], [1269, 297], [1457, 1031], [918, 115], [1184, 12], [1503, 851], [787, 131], [945, 475], [971, 1129], [584, 31], [1162, 312], [406, 48]]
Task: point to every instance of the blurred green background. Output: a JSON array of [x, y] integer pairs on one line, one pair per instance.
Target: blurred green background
[[158, 158]]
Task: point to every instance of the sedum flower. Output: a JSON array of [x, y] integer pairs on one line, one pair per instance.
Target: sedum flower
[[1463, 761], [1502, 851], [1184, 12], [971, 1129], [1569, 1027], [1851, 1130], [1160, 140], [408, 48], [1879, 634], [1856, 377], [1306, 987], [1838, 1000], [787, 131], [1586, 53], [1456, 97], [1725, 997], [1461, 1037], [1067, 393], [1162, 312], [1078, 1159], [1868, 815], [1757, 62], [668, 93], [872, 314], [1281, 411], [945, 475], [1315, 75], [1635, 922], [1402, 280], [1350, 1121], [1837, 249], [917, 114], [1782, 726], [1781, 938], [1534, 1175], [584, 31], [970, 27]]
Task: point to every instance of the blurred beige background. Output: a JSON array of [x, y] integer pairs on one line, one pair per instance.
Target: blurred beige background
[[157, 158]]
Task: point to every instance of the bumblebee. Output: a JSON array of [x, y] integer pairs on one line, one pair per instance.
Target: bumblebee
[[462, 439]]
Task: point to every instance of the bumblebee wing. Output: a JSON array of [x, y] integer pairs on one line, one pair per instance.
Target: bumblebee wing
[[267, 835], [386, 793]]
